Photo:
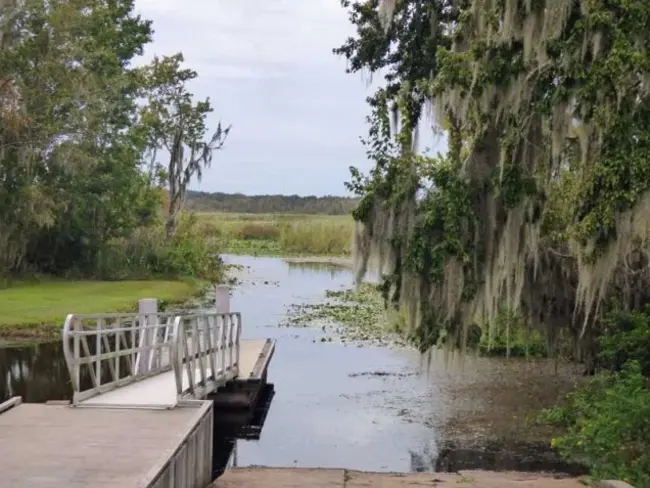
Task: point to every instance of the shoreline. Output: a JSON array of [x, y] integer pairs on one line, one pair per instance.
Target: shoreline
[[339, 261]]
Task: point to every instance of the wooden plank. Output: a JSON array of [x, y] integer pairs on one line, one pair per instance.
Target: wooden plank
[[253, 357]]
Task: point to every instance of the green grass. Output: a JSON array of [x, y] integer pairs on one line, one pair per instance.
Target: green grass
[[39, 309], [278, 234]]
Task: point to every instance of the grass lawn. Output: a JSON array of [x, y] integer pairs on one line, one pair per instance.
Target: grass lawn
[[39, 309]]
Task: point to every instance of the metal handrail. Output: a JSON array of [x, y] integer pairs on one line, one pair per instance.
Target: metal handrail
[[138, 345], [201, 349], [205, 354]]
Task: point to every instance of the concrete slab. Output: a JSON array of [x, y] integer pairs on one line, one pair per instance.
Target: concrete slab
[[55, 446], [299, 477]]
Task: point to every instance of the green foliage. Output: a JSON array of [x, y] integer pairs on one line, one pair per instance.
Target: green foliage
[[547, 108], [77, 194], [405, 51], [546, 148], [512, 336], [607, 421], [626, 337], [607, 426], [447, 214], [59, 142], [147, 253]]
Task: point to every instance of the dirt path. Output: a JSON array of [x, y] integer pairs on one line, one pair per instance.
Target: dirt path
[[335, 478]]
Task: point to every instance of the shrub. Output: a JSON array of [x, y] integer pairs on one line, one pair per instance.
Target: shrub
[[607, 421], [607, 426], [626, 337], [148, 254], [512, 336]]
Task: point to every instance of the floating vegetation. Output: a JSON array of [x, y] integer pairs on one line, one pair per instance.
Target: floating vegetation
[[353, 315]]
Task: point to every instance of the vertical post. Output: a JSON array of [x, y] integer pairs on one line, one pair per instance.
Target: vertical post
[[147, 308], [222, 298]]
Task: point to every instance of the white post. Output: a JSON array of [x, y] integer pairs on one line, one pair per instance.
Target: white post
[[222, 298], [146, 307]]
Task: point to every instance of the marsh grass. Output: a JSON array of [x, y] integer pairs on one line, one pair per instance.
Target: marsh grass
[[278, 234]]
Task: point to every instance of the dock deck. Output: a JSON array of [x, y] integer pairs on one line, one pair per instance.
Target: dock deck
[[57, 446], [139, 444]]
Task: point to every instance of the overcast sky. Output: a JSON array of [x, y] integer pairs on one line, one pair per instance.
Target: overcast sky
[[268, 67]]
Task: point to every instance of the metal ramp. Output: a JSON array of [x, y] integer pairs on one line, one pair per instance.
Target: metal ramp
[[153, 361]]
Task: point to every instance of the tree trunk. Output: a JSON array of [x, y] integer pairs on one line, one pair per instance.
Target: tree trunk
[[175, 184]]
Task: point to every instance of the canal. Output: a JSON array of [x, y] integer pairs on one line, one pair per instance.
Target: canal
[[350, 405]]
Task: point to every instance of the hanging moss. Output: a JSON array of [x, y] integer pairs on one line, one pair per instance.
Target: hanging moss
[[541, 203]]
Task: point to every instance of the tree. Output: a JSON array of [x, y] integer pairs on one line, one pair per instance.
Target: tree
[[69, 156], [539, 204], [178, 124]]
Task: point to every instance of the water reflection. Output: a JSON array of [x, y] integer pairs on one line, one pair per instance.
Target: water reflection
[[301, 268], [226, 434], [37, 372]]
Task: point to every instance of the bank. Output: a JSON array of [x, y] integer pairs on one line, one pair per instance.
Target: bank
[[37, 310]]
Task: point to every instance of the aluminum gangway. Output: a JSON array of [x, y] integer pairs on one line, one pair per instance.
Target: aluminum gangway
[[155, 360]]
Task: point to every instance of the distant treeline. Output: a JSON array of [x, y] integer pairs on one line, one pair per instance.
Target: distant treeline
[[239, 203]]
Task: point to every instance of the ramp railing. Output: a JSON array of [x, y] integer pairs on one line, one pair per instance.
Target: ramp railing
[[205, 353], [106, 351]]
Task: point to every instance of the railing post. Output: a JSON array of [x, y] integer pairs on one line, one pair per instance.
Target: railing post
[[222, 298], [147, 308]]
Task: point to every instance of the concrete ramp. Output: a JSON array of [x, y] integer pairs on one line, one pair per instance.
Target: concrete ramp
[[343, 478]]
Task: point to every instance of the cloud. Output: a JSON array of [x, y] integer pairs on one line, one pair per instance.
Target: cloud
[[268, 67], [253, 32]]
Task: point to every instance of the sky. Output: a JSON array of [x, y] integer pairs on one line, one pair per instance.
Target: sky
[[268, 68]]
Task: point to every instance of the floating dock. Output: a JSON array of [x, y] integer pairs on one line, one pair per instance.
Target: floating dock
[[108, 444]]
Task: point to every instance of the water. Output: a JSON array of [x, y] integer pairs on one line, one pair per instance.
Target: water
[[325, 412], [340, 405]]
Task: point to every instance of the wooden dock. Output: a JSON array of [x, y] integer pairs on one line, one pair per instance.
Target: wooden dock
[[343, 478]]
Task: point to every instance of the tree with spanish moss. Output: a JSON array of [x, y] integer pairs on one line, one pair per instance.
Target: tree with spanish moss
[[178, 125], [539, 209], [539, 204]]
